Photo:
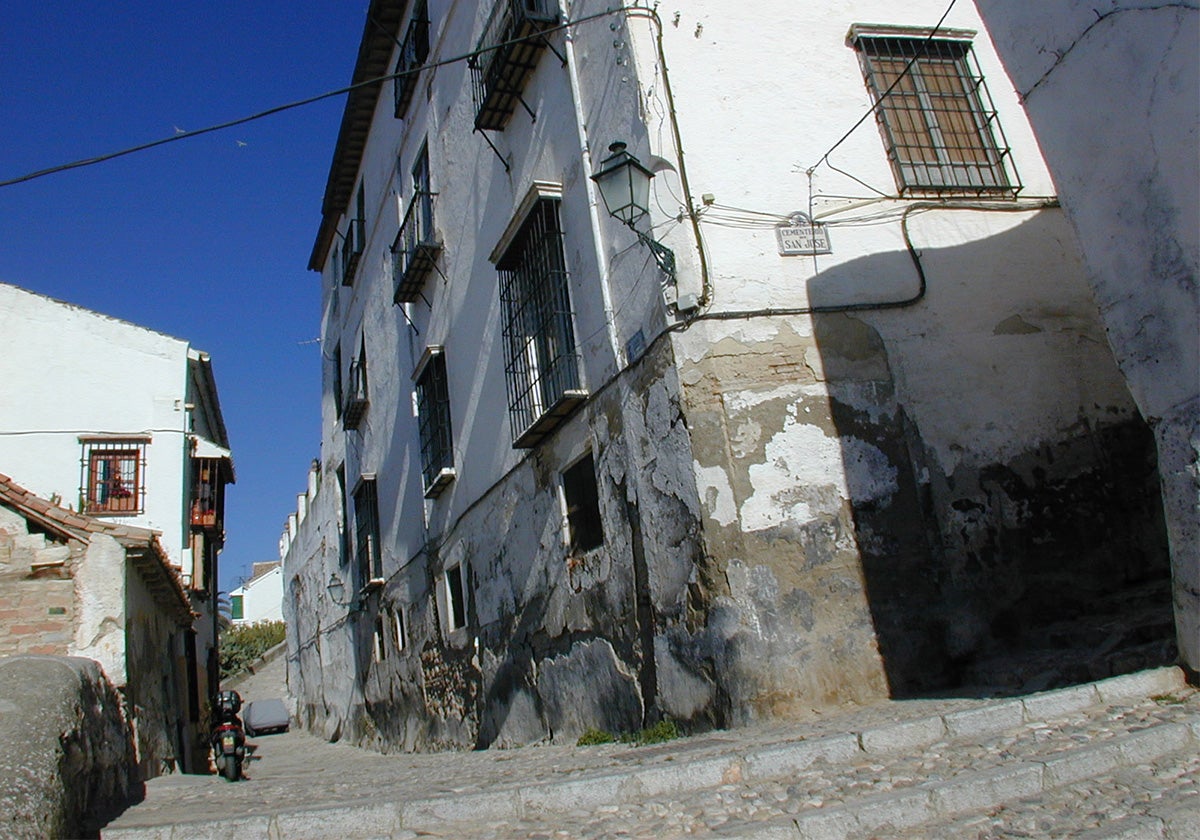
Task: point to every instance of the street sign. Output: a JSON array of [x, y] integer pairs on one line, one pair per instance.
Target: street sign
[[801, 236]]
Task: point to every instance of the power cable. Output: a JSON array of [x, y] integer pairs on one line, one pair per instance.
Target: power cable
[[79, 164], [878, 102]]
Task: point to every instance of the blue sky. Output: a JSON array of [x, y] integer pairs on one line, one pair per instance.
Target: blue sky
[[206, 239]]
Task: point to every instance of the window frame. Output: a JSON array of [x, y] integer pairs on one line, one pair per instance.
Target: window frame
[[456, 604], [939, 125], [542, 363], [368, 551], [435, 428], [129, 482], [580, 488]]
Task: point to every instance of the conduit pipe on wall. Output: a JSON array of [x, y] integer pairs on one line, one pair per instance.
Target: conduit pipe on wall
[[913, 253], [690, 208]]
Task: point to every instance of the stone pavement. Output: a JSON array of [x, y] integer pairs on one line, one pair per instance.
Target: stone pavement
[[1112, 759]]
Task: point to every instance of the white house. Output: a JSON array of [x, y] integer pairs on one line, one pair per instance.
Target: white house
[[825, 414], [121, 423], [261, 597]]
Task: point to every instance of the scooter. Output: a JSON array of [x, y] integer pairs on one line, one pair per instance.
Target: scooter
[[229, 736]]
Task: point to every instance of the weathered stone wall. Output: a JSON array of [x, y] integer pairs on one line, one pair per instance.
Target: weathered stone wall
[[68, 765], [557, 642]]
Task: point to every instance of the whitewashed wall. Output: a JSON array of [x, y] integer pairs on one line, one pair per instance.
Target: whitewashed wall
[[1113, 90], [67, 371]]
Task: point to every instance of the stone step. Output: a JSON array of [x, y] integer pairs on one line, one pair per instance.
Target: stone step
[[897, 765], [922, 809]]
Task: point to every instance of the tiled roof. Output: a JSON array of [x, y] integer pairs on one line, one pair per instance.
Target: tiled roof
[[141, 544]]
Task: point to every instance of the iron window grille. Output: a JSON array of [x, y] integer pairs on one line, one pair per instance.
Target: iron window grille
[[938, 121], [541, 365], [356, 394], [505, 58], [416, 247], [414, 51], [366, 520], [355, 239], [112, 477], [433, 422], [582, 497]]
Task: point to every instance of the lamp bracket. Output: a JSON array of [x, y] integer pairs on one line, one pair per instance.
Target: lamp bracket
[[664, 257]]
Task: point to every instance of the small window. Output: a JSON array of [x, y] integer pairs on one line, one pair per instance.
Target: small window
[[336, 380], [398, 627], [414, 50], [935, 114], [582, 500], [433, 423], [456, 608], [112, 476], [366, 519], [355, 238], [342, 518], [235, 607], [381, 647]]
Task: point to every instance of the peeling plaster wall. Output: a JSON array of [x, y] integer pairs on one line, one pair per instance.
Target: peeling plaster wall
[[898, 493], [557, 642], [1113, 90]]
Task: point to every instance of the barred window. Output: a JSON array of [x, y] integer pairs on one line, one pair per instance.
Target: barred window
[[936, 116], [541, 365], [112, 480], [366, 521], [433, 422]]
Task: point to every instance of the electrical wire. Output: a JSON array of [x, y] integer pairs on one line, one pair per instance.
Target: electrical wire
[[875, 107], [300, 103]]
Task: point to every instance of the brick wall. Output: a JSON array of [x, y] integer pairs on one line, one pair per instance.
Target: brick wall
[[36, 594]]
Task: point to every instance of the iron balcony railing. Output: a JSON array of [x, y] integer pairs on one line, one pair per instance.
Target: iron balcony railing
[[413, 53], [506, 56], [356, 395], [352, 249], [416, 248]]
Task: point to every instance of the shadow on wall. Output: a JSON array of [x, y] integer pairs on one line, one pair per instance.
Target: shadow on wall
[[1018, 542]]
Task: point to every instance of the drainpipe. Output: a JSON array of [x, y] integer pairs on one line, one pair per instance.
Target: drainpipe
[[593, 200]]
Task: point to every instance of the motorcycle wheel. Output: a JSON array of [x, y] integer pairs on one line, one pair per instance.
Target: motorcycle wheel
[[230, 768]]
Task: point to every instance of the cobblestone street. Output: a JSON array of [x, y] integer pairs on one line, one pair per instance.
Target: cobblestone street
[[1113, 759]]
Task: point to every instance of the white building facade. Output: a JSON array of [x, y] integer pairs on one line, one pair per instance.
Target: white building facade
[[121, 423], [735, 464], [261, 597]]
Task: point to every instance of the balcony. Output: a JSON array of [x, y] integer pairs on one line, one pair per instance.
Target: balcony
[[352, 249], [499, 74], [413, 53], [416, 249], [356, 395]]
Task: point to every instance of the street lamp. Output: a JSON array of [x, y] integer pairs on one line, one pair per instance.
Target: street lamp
[[624, 185], [337, 593]]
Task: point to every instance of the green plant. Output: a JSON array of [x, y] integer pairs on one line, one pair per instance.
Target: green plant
[[240, 645], [661, 732], [592, 736], [1167, 699]]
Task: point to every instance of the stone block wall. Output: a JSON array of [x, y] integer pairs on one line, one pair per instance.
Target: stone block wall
[[68, 765]]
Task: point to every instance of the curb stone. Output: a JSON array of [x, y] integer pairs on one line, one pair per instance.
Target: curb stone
[[686, 772]]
